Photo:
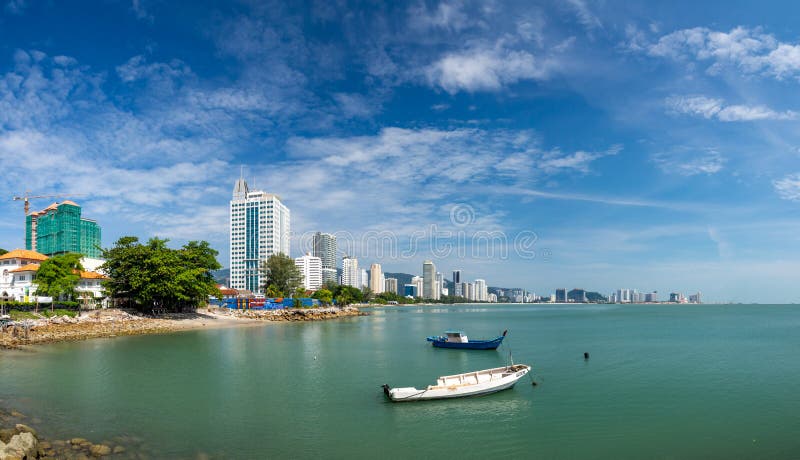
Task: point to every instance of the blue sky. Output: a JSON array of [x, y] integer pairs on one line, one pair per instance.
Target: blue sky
[[651, 146]]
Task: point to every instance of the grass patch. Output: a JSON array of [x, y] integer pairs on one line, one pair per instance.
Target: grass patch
[[58, 312], [17, 315]]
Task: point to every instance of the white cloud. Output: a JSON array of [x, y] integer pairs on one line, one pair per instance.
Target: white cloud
[[788, 188], [485, 69], [140, 11], [717, 108], [355, 105], [59, 132], [137, 68], [447, 15], [585, 15], [690, 162], [747, 50]]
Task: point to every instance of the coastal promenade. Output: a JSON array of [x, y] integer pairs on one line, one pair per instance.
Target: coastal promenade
[[113, 323]]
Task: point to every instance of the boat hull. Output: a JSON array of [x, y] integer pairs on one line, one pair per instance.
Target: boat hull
[[471, 345], [506, 378]]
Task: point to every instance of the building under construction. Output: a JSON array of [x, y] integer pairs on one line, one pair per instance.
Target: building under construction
[[59, 229]]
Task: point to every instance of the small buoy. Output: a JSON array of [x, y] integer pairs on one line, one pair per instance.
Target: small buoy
[[533, 382], [585, 355], [315, 358]]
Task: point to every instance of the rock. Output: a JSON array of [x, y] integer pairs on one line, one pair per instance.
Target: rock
[[17, 414], [118, 449], [77, 441], [23, 445], [22, 428], [100, 450], [6, 434]]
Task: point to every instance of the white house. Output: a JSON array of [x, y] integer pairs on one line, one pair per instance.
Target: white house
[[18, 279]]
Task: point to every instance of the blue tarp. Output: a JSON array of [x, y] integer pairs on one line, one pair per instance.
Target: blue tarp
[[262, 304]]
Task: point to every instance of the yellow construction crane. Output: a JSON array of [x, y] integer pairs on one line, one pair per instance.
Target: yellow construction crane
[[28, 197]]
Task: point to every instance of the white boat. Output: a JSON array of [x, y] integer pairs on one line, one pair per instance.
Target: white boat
[[460, 385]]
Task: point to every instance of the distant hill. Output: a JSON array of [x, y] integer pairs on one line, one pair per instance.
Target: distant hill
[[402, 278], [222, 276], [596, 297]]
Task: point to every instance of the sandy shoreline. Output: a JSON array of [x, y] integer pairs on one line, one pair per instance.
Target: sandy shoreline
[[114, 323]]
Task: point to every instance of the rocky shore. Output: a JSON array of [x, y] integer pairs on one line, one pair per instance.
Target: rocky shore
[[114, 323], [19, 441], [291, 314]]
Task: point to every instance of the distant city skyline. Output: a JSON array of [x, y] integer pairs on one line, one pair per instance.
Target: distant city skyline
[[619, 144]]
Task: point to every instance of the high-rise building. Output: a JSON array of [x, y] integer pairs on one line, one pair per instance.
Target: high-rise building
[[428, 280], [418, 282], [457, 283], [311, 269], [561, 295], [259, 229], [324, 247], [440, 287], [469, 292], [390, 285], [481, 291], [376, 279], [351, 275], [59, 229], [410, 290], [364, 278]]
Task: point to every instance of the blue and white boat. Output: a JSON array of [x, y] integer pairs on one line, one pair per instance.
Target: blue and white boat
[[457, 339]]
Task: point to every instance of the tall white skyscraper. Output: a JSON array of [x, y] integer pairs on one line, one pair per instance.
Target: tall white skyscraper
[[391, 285], [325, 249], [481, 291], [311, 269], [351, 275], [364, 278], [376, 280], [439, 285], [259, 228], [418, 282], [429, 280]]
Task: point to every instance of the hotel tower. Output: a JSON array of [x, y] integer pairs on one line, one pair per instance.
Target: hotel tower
[[259, 228]]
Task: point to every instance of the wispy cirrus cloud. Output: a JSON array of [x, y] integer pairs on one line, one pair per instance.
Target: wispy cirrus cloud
[[715, 108], [788, 187], [585, 16], [689, 161]]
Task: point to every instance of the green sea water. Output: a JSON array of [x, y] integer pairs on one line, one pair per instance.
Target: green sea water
[[662, 382]]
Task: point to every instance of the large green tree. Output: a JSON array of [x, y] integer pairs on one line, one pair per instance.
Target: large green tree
[[323, 295], [153, 275], [281, 274], [58, 276], [345, 295]]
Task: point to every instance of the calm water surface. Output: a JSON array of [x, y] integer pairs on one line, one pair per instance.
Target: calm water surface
[[662, 382]]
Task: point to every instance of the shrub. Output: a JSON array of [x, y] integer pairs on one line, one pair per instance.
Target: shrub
[[17, 315]]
